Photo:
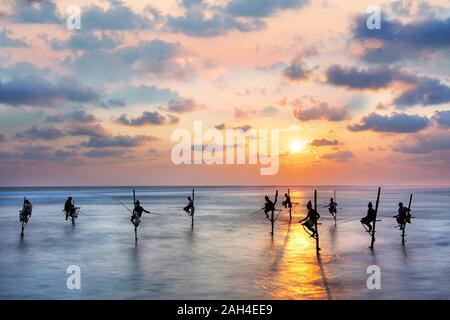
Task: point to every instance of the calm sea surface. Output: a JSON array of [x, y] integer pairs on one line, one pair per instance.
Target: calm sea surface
[[229, 254]]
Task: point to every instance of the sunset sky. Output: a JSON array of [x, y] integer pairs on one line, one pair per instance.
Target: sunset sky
[[97, 106]]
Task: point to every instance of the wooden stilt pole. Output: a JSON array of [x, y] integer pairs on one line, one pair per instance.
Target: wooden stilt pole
[[374, 222], [404, 225], [72, 218], [315, 226], [272, 221], [193, 209], [135, 228], [23, 227], [335, 214], [290, 205], [21, 215], [272, 217]]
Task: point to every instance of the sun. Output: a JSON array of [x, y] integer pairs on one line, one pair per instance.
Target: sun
[[297, 146]]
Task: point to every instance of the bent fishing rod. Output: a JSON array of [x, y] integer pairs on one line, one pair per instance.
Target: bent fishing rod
[[125, 206], [117, 200]]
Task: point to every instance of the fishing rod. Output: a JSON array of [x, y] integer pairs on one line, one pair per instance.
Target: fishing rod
[[276, 218], [125, 206], [254, 213], [278, 213], [122, 204], [412, 217], [271, 210], [79, 211], [158, 214]]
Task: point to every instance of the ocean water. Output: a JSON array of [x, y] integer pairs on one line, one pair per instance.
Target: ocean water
[[229, 254]]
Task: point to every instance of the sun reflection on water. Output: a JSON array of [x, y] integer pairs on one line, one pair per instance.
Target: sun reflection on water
[[296, 270]]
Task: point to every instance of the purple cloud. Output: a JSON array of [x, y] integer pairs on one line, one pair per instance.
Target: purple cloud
[[118, 141], [262, 8], [196, 23], [7, 41], [42, 12], [403, 40], [38, 92], [320, 111], [76, 116], [182, 106], [117, 17], [423, 91], [88, 130], [338, 156], [297, 70], [396, 122], [424, 143], [46, 153], [442, 118], [35, 133], [148, 118], [220, 126], [103, 153], [86, 41], [426, 92], [351, 77], [324, 143]]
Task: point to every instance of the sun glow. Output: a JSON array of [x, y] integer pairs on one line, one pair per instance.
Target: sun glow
[[297, 146]]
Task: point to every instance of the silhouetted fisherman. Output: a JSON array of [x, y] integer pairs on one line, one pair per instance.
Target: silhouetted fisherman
[[26, 211], [370, 218], [332, 207], [287, 202], [190, 207], [137, 213], [69, 207], [404, 216], [311, 219], [268, 206]]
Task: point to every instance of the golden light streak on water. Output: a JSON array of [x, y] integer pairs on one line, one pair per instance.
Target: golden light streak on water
[[296, 270], [299, 274]]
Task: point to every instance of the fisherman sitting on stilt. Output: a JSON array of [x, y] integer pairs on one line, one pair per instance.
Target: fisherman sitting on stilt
[[137, 214], [311, 219], [404, 216], [370, 218], [268, 206], [190, 207], [332, 207], [287, 202], [69, 208], [26, 211]]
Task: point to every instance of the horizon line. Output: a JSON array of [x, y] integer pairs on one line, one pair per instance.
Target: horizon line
[[235, 185]]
